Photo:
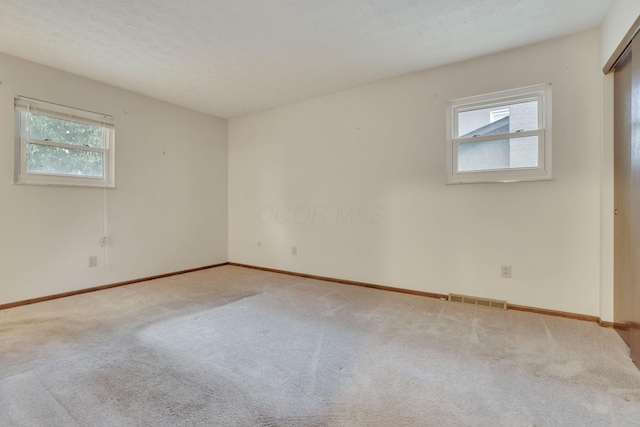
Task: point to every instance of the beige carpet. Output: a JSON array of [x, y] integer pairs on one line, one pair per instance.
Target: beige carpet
[[238, 347]]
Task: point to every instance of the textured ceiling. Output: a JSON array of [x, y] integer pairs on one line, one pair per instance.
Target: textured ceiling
[[233, 57]]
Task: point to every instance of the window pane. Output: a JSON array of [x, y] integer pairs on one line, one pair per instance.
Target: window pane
[[63, 161], [516, 117], [484, 155], [49, 129], [498, 154], [523, 152]]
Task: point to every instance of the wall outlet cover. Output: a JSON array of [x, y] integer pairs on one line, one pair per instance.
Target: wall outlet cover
[[506, 271]]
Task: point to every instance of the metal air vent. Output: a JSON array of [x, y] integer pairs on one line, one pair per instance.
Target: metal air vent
[[483, 302]]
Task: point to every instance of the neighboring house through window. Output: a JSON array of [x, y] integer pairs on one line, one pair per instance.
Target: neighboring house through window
[[500, 137]]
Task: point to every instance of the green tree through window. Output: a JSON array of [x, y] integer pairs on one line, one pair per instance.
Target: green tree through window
[[60, 145], [62, 160]]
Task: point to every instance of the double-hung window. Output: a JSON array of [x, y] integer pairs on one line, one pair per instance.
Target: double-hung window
[[59, 145], [500, 137]]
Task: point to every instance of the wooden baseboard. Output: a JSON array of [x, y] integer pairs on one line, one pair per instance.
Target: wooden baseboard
[[606, 324], [545, 311], [623, 327], [344, 282], [109, 286], [556, 313]]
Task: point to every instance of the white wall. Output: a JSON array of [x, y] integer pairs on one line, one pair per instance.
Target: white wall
[[168, 212], [621, 15], [380, 148]]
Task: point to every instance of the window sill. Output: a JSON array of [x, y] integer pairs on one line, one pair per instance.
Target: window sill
[[504, 181], [50, 181]]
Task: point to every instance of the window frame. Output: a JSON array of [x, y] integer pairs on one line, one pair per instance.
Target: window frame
[[23, 176], [541, 93]]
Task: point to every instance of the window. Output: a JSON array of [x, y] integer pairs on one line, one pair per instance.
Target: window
[[58, 145], [500, 137]]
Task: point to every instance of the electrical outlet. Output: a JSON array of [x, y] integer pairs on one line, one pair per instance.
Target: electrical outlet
[[506, 271], [93, 261], [294, 250]]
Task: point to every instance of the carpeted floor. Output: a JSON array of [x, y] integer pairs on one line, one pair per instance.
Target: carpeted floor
[[237, 347]]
